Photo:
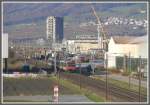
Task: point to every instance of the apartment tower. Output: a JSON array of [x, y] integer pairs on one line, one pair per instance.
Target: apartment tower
[[55, 31]]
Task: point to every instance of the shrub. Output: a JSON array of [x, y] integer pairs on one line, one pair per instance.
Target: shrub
[[100, 68], [114, 70], [126, 73]]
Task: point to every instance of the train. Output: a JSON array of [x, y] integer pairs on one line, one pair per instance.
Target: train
[[72, 67]]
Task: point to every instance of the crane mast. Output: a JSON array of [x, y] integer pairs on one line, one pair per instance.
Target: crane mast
[[103, 41]]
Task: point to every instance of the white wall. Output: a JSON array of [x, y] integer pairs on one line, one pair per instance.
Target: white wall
[[111, 61], [5, 45], [120, 50], [135, 50], [143, 50], [123, 48]]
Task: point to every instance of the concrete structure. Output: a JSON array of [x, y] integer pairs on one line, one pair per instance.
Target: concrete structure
[[142, 43], [5, 45], [70, 46], [55, 29], [84, 45], [121, 46]]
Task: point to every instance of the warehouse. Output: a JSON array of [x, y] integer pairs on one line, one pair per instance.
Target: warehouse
[[127, 47]]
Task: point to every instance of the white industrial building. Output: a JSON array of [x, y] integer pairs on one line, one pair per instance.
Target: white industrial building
[[121, 46], [83, 45]]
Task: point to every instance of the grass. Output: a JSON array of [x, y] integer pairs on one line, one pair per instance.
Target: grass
[[83, 91], [40, 64], [66, 84], [33, 86], [94, 97], [15, 65], [124, 85], [75, 89]]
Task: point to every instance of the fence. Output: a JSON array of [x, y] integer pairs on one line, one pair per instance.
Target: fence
[[130, 63]]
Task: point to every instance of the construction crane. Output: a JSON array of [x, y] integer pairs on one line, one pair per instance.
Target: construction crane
[[104, 45], [102, 38]]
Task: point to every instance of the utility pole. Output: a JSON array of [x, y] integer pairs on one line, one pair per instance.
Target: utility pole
[[80, 66], [140, 79], [80, 75], [58, 71], [55, 69], [125, 63], [45, 54], [55, 54], [106, 58], [64, 54], [78, 53], [129, 70], [93, 58]]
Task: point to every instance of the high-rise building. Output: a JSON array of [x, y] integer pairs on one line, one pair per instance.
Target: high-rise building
[[55, 29]]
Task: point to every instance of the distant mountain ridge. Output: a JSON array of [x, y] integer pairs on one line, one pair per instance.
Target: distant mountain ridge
[[28, 20], [18, 13]]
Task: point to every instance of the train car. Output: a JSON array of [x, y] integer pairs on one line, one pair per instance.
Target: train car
[[70, 66], [83, 69]]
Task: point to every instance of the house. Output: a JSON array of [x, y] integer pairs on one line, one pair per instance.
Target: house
[[120, 46]]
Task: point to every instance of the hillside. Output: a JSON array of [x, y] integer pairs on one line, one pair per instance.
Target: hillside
[[29, 19], [24, 13]]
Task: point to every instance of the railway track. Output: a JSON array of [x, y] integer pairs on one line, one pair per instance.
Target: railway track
[[116, 93]]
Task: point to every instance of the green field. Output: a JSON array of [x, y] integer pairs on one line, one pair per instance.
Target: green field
[[44, 86], [31, 86]]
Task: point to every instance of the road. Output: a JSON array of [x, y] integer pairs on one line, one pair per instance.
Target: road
[[48, 98]]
